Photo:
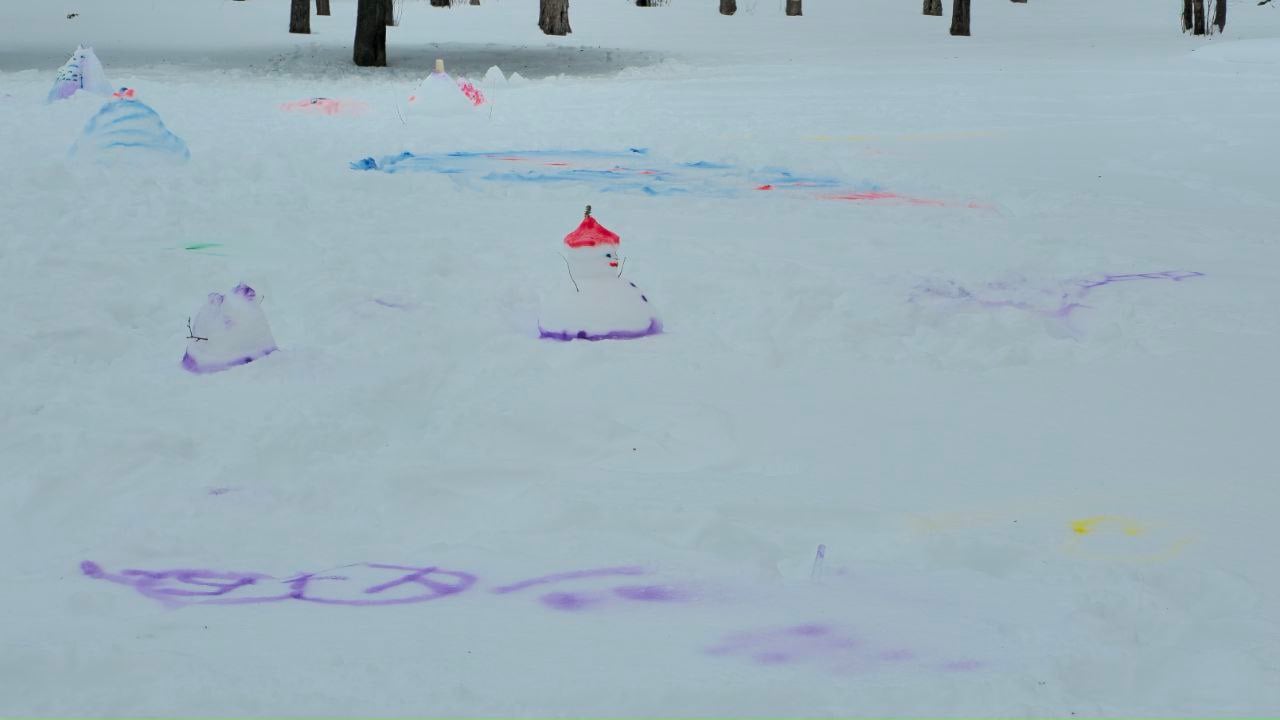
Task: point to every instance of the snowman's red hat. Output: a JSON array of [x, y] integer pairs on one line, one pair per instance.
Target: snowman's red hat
[[590, 234]]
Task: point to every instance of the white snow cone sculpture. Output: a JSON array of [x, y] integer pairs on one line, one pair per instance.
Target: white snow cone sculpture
[[129, 127], [598, 304], [82, 72], [229, 330], [440, 94]]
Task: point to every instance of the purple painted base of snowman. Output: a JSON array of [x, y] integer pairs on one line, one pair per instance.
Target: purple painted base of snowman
[[191, 365], [655, 327]]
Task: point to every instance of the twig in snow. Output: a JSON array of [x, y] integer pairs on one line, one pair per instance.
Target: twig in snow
[[191, 334], [622, 266], [566, 267]]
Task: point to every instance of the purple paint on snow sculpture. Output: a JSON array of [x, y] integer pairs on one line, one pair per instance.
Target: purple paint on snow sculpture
[[655, 328], [228, 331]]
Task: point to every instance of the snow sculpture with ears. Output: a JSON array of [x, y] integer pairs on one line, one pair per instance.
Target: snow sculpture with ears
[[229, 330], [598, 303], [82, 72]]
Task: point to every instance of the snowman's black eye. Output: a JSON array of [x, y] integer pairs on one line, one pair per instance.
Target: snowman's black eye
[[608, 255]]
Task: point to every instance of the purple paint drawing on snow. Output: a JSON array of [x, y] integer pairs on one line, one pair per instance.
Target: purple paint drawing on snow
[[1057, 301], [826, 646], [571, 575], [367, 585], [389, 585]]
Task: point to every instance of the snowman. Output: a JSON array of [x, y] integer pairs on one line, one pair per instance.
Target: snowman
[[598, 303], [229, 330]]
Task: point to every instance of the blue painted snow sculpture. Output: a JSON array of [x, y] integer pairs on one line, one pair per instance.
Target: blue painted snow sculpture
[[126, 127], [82, 72]]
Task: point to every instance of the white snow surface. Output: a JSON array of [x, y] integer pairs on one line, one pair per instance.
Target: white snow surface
[[1033, 500]]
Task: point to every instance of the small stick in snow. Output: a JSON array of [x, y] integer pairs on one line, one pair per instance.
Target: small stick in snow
[[191, 335], [566, 267], [817, 562], [622, 266]]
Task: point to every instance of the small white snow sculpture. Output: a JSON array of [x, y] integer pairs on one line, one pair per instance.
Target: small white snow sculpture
[[442, 95], [229, 330], [494, 77], [128, 127], [82, 72], [598, 303]]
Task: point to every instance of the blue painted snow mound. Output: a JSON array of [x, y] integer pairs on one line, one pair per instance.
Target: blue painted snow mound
[[129, 128]]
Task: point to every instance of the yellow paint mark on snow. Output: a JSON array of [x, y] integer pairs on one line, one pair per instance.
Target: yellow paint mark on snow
[[1109, 540], [1089, 524]]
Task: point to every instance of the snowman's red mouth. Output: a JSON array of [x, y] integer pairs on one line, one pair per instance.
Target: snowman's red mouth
[[613, 263]]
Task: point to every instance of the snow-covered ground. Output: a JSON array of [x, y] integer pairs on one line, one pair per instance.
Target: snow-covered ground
[[1010, 359]]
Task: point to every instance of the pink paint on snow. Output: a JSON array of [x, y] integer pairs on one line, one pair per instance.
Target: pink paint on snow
[[471, 91], [325, 106]]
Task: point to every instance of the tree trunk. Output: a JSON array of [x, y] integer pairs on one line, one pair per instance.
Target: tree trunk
[[440, 3], [553, 17], [300, 17], [960, 17], [371, 33], [390, 13], [475, 2], [1021, 1], [1220, 15], [728, 7], [793, 8], [1197, 15], [322, 7], [1186, 15], [933, 7]]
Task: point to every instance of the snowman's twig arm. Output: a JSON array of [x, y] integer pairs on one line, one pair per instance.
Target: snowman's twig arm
[[622, 267], [191, 335], [566, 267]]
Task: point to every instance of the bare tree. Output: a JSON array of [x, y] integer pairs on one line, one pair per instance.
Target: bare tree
[[960, 17], [553, 17], [475, 2], [793, 8], [1220, 15], [440, 3], [1020, 1], [322, 7], [728, 7], [300, 17], [1197, 17], [1186, 15], [933, 7], [371, 33]]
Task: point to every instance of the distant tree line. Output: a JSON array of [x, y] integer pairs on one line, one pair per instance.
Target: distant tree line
[[373, 17]]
